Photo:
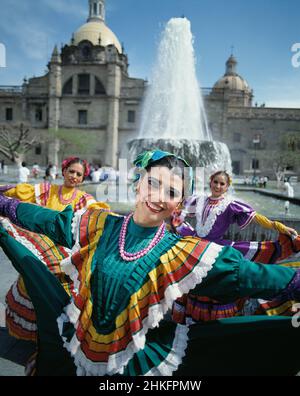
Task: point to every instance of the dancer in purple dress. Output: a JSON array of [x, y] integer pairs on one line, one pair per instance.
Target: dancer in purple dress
[[214, 215]]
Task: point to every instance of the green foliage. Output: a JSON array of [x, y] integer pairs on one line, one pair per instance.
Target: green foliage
[[77, 140]]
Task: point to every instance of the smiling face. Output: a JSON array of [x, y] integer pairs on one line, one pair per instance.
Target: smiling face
[[218, 186], [73, 175], [158, 193]]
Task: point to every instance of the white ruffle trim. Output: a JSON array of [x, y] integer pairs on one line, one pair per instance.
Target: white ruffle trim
[[37, 192], [26, 302], [21, 321], [118, 361], [204, 229], [253, 247], [66, 264], [10, 227], [174, 358]]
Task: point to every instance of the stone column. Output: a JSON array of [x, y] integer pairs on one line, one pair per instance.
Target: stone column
[[92, 84], [55, 93], [113, 91], [75, 85], [24, 101]]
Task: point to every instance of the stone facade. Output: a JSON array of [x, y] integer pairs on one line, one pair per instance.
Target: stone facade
[[88, 105], [253, 134]]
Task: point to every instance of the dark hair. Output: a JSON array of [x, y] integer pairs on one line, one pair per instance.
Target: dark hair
[[178, 167], [23, 163], [170, 162], [76, 160], [221, 173]]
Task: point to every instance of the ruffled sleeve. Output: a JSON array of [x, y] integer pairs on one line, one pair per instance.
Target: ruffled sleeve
[[242, 212], [56, 225], [42, 193], [85, 200], [24, 192]]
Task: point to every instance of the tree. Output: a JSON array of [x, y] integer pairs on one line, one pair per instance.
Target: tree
[[286, 157], [15, 143]]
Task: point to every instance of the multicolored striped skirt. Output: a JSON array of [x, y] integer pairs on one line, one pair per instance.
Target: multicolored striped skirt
[[191, 308], [20, 314]]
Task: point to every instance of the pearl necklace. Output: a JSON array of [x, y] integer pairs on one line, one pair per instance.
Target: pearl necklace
[[66, 201], [134, 256]]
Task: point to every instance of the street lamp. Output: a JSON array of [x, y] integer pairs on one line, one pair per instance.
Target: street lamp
[[256, 140]]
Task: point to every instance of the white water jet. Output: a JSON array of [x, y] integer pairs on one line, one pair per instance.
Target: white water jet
[[289, 189], [173, 117], [173, 108]]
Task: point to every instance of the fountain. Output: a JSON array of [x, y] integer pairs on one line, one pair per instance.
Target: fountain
[[289, 189], [173, 115]]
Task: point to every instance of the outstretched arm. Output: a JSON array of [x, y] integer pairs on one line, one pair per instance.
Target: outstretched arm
[[56, 225], [24, 192], [233, 277], [264, 222]]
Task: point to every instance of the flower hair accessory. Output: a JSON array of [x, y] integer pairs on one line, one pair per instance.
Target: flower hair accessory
[[74, 160], [147, 158]]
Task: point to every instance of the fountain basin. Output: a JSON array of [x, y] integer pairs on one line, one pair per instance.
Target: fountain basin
[[210, 155]]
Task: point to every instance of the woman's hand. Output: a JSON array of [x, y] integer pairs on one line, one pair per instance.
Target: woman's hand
[[8, 208], [291, 232]]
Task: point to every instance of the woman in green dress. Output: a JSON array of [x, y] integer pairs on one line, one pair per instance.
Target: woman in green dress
[[128, 271]]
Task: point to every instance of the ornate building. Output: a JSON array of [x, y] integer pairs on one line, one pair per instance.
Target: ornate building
[[87, 104], [87, 91], [258, 137]]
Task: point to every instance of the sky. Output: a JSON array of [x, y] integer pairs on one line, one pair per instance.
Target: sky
[[261, 32]]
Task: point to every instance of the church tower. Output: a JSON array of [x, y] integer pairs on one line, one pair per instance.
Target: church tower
[[231, 66], [96, 10], [232, 87]]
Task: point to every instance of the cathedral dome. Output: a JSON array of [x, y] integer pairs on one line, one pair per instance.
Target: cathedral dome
[[92, 31], [231, 79], [232, 82]]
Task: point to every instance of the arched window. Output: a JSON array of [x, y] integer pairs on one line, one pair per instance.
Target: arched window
[[95, 9], [68, 87], [99, 88], [83, 84], [86, 52]]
